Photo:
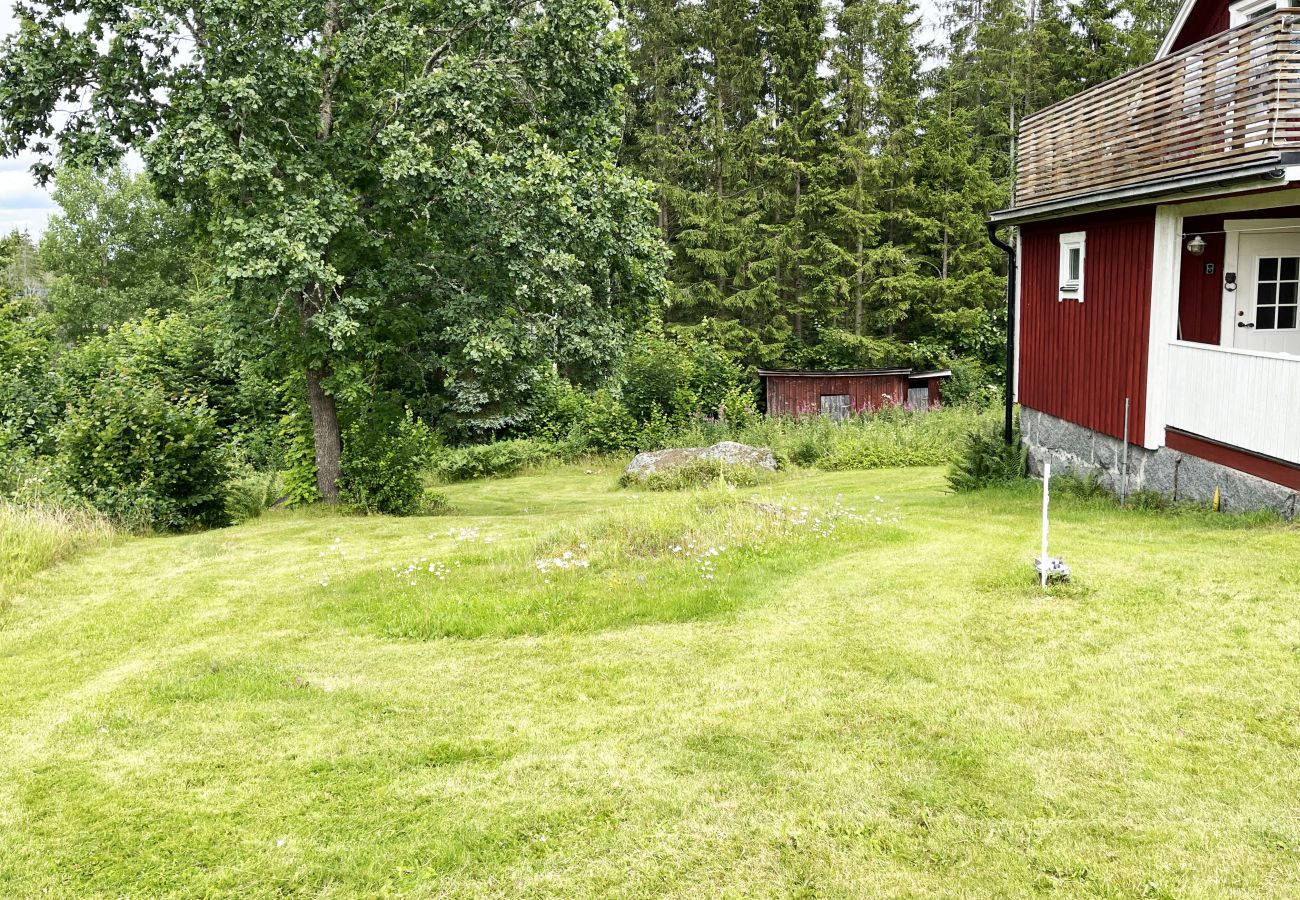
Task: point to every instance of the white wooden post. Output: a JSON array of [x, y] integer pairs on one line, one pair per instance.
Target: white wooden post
[[1042, 560]]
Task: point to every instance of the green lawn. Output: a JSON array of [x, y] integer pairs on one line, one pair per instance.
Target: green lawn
[[847, 707]]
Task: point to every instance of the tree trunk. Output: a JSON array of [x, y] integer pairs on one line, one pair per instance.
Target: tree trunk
[[325, 431], [857, 287]]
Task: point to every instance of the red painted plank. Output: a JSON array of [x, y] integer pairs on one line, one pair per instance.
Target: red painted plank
[[801, 395], [1079, 361]]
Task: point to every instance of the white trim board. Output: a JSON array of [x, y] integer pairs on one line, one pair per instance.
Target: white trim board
[[1180, 20], [1242, 203], [1163, 325]]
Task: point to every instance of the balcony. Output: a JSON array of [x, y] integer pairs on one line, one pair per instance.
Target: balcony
[[1229, 103]]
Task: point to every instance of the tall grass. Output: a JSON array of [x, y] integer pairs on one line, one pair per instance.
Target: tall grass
[[888, 438], [34, 537]]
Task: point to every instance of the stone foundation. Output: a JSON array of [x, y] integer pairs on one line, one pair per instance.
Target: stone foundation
[[1073, 448]]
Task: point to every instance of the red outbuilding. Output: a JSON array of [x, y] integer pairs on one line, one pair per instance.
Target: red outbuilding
[[1157, 266], [845, 392]]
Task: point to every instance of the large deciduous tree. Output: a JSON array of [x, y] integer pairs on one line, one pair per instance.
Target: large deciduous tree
[[373, 177]]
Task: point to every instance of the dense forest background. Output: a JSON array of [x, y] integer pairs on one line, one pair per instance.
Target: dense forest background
[[825, 170], [368, 225]]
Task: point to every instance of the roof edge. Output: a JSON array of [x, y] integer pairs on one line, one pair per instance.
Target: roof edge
[[1269, 171], [829, 373]]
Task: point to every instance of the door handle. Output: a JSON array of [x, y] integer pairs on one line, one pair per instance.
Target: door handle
[[1245, 324]]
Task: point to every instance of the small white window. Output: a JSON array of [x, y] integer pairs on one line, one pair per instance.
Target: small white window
[[1072, 266], [1248, 10]]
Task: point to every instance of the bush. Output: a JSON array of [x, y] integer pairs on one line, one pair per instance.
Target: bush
[[607, 427], [973, 383], [557, 409], [698, 474], [677, 378], [146, 460], [382, 462], [251, 493], [987, 460], [487, 460]]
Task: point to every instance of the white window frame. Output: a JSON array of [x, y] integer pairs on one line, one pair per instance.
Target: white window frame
[[1072, 288], [1243, 11]]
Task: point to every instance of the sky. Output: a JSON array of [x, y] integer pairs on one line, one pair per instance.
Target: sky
[[25, 206]]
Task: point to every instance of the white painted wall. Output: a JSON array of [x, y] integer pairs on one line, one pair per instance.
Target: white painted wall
[[1244, 398]]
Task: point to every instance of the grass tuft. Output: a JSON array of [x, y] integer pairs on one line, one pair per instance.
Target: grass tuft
[[35, 537]]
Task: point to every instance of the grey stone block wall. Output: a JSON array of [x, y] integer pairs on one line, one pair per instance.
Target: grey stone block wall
[[1073, 448]]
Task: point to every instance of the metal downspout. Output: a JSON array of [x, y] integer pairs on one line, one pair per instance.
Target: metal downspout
[[1011, 327]]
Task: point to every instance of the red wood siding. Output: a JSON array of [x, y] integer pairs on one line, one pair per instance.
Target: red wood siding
[[1200, 296], [1078, 361], [1275, 470], [801, 395], [1208, 17], [935, 387]]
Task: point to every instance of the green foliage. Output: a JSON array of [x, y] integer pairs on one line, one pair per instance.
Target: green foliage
[[607, 427], [29, 388], [557, 408], [299, 455], [972, 382], [113, 252], [383, 459], [487, 460], [675, 378], [986, 460], [143, 458], [251, 493], [410, 197]]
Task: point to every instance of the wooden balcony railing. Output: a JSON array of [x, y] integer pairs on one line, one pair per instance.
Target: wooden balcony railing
[[1233, 99]]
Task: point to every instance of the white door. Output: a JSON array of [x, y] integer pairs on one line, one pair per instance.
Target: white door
[[1266, 304]]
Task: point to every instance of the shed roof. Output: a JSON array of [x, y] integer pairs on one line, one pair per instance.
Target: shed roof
[[829, 373], [839, 373]]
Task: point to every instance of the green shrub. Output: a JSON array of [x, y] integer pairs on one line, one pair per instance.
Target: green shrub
[[29, 390], [607, 427], [146, 460], [678, 377], [382, 463], [557, 409], [252, 493], [738, 408], [986, 459], [298, 455], [487, 460], [973, 383], [697, 474]]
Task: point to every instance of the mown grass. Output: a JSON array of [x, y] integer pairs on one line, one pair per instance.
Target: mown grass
[[890, 710]]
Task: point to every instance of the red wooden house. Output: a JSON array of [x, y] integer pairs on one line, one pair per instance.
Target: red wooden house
[[1156, 331]]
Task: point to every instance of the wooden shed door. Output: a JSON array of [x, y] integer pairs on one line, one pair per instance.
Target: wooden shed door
[[836, 406]]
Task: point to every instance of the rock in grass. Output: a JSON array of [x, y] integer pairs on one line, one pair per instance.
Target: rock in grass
[[727, 452]]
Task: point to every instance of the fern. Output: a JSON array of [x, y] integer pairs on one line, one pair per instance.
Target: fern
[[985, 459]]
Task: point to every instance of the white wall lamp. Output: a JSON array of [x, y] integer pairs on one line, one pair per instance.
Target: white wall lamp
[[1196, 246]]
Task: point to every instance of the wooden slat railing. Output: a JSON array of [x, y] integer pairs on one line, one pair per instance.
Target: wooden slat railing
[[1232, 99]]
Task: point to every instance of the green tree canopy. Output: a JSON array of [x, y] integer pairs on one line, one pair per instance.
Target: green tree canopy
[[406, 179]]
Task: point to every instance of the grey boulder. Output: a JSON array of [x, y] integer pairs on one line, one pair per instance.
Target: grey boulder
[[729, 452]]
